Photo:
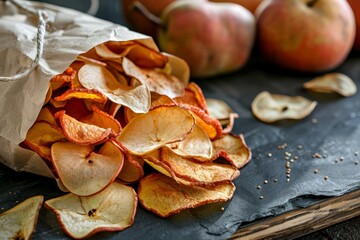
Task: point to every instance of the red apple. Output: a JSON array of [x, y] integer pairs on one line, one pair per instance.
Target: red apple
[[213, 38], [355, 5], [305, 35], [250, 5]]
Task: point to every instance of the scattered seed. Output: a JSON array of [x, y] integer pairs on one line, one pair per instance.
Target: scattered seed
[[326, 177], [288, 154], [316, 171], [265, 181], [288, 175], [314, 120], [222, 209], [283, 146], [299, 146], [261, 197], [287, 165], [288, 171], [296, 158], [316, 155], [356, 153], [287, 158], [258, 187], [356, 162], [275, 180], [288, 180], [269, 155], [336, 161], [341, 159], [292, 160], [324, 155]]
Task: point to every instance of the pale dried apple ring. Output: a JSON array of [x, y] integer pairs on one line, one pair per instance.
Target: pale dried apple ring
[[232, 148], [219, 109], [93, 76], [155, 129], [20, 221], [270, 108], [199, 173], [155, 80], [332, 82], [174, 197], [113, 209], [196, 145], [83, 171]]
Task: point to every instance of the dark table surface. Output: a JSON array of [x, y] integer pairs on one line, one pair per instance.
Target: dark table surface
[[338, 120]]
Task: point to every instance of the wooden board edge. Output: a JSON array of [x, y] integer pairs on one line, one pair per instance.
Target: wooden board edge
[[303, 221]]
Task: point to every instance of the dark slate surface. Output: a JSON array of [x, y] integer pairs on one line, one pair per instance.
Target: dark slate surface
[[335, 136]]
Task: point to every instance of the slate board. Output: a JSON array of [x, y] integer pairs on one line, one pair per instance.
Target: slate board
[[336, 135]]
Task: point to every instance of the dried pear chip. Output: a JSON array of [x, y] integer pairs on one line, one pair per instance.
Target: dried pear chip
[[173, 197], [270, 108], [199, 173], [196, 144], [45, 115], [82, 170], [332, 82], [41, 136], [232, 148], [155, 80], [82, 93], [93, 76], [103, 120], [218, 109], [132, 170], [20, 221], [112, 209], [155, 129], [83, 133]]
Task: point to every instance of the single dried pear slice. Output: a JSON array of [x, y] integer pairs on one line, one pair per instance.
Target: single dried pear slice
[[20, 221], [233, 148], [112, 209], [196, 144], [155, 129], [201, 173], [175, 197], [332, 82], [83, 171], [93, 76], [270, 108]]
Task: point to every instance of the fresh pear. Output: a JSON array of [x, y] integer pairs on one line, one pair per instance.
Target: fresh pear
[[213, 38]]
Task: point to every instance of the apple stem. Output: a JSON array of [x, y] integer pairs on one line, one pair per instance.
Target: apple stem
[[142, 9]]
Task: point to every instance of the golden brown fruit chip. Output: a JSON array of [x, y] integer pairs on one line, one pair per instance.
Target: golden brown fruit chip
[[66, 76], [90, 60], [82, 93], [274, 107], [210, 125], [48, 94], [196, 144], [332, 82], [82, 170], [232, 148], [103, 51], [92, 76], [179, 68], [198, 173], [219, 109], [132, 170], [173, 197], [138, 53], [82, 133], [155, 80], [45, 115], [103, 120], [20, 221], [41, 136], [113, 209], [155, 129], [57, 104]]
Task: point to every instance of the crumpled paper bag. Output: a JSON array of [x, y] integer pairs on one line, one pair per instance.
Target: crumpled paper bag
[[68, 33]]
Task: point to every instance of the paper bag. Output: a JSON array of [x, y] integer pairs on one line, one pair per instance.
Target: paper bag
[[63, 35]]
